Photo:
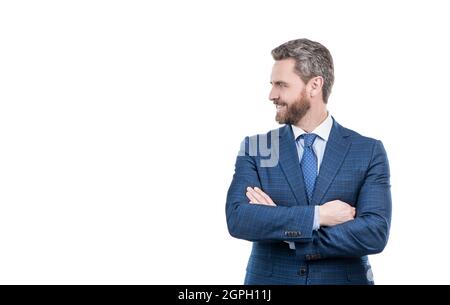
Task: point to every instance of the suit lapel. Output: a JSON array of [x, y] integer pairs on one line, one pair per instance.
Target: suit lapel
[[290, 164], [335, 152]]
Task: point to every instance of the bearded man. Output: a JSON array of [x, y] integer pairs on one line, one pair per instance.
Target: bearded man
[[322, 203]]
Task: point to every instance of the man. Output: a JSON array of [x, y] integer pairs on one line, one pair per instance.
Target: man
[[315, 213]]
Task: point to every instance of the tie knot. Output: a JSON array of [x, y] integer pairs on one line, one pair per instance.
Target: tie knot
[[309, 138]]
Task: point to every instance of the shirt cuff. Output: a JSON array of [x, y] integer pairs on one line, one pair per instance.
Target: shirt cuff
[[316, 224]]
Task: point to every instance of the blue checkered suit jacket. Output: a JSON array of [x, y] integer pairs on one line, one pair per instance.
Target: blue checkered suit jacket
[[354, 169]]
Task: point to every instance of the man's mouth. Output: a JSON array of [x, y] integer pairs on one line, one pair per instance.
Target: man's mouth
[[280, 106]]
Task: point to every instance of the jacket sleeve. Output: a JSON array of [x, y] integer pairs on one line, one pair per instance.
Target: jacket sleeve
[[256, 222], [368, 232]]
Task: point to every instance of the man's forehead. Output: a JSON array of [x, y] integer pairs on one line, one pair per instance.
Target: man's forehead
[[283, 71], [287, 64], [283, 67]]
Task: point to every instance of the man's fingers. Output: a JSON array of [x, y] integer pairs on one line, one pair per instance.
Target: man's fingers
[[251, 197], [259, 198], [254, 196], [266, 197]]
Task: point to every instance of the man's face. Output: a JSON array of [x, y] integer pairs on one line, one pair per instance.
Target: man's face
[[288, 93]]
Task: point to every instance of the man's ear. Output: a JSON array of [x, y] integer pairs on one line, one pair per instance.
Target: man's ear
[[315, 86]]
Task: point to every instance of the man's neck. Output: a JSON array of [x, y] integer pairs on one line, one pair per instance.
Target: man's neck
[[312, 119]]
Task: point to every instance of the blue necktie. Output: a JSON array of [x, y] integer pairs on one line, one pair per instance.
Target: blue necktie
[[309, 163]]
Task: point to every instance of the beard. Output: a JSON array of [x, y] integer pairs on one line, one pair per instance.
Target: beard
[[291, 114]]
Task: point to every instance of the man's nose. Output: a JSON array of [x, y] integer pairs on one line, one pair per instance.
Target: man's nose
[[273, 96]]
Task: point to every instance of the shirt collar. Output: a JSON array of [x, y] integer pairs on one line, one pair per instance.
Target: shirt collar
[[323, 130]]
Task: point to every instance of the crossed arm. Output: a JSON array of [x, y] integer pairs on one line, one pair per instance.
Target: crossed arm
[[252, 214], [330, 214]]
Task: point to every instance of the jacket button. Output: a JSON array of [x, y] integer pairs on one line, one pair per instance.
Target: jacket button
[[302, 271]]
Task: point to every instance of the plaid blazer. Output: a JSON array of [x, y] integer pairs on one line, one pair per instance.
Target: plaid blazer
[[354, 169]]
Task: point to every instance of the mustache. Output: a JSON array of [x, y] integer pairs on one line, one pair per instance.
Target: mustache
[[278, 103]]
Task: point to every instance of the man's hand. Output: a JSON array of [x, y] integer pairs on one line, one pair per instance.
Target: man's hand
[[335, 212], [257, 196]]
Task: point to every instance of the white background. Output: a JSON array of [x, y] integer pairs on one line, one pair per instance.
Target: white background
[[120, 122]]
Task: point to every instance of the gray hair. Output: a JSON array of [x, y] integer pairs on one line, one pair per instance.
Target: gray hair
[[311, 59]]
